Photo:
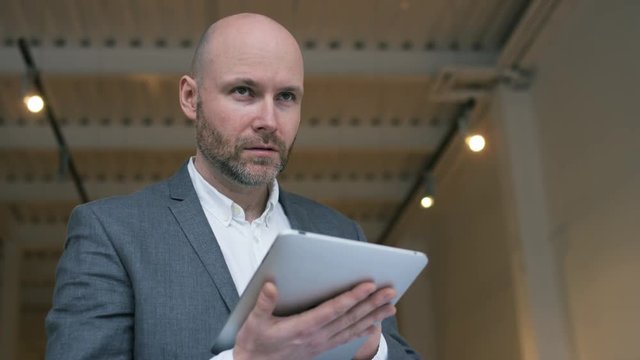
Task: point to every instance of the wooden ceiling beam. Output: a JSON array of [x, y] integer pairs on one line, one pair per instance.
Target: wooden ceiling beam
[[56, 191], [163, 61], [182, 137]]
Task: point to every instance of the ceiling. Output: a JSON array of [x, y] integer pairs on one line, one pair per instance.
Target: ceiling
[[385, 82]]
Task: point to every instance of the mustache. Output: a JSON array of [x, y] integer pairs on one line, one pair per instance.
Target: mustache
[[265, 139]]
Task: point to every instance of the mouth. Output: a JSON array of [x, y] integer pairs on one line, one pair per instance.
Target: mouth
[[263, 147], [262, 150]]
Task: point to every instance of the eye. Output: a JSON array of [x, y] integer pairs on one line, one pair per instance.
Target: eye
[[241, 90], [287, 96]]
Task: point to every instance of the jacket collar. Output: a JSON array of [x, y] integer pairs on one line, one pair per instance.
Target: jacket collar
[[190, 216]]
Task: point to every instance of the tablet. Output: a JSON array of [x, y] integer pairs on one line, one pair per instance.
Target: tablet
[[310, 268]]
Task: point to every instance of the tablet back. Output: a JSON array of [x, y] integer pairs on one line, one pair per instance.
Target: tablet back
[[310, 268]]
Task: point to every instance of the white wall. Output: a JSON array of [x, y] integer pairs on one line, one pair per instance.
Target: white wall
[[586, 112], [586, 97], [468, 283]]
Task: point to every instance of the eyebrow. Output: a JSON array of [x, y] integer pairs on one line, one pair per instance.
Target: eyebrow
[[244, 81], [253, 83], [294, 89]]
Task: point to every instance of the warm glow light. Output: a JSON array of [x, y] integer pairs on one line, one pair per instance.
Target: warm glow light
[[475, 143], [426, 202], [34, 103]]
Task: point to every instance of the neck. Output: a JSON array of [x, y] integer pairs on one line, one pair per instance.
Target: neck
[[252, 199]]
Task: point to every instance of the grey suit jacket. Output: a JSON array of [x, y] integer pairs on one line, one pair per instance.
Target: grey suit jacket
[[142, 276]]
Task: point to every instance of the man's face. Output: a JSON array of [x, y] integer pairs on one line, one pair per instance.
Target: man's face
[[228, 155], [248, 109]]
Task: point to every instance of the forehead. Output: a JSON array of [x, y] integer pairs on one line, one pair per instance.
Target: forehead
[[262, 54]]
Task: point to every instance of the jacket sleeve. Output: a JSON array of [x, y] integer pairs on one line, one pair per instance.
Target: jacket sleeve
[[92, 312], [397, 346]]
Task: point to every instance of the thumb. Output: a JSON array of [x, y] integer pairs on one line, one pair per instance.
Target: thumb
[[267, 300]]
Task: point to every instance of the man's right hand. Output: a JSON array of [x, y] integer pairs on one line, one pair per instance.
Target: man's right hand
[[348, 316]]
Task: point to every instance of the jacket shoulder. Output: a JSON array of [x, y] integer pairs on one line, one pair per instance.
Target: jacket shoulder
[[313, 207], [310, 215], [144, 201]]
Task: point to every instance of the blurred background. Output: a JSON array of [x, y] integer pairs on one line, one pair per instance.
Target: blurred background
[[533, 240]]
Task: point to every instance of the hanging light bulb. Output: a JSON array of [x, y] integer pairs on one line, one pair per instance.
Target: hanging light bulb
[[32, 99], [34, 103], [476, 142], [427, 201]]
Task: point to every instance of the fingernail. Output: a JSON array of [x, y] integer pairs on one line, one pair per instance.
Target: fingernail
[[389, 296], [371, 288]]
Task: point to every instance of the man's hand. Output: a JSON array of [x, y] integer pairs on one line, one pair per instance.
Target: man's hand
[[350, 315], [370, 348]]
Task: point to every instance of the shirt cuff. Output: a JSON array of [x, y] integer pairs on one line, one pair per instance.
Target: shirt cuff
[[225, 355], [383, 350], [380, 355]]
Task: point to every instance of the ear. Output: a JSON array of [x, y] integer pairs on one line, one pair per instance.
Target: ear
[[188, 93]]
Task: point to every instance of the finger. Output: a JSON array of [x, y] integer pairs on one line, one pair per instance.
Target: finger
[[267, 300], [330, 310], [370, 347], [362, 310], [366, 326]]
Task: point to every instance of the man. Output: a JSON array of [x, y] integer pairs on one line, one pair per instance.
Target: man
[[155, 274]]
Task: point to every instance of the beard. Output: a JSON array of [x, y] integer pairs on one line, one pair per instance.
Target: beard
[[226, 156]]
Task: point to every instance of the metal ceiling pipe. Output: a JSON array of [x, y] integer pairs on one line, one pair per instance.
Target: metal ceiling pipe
[[66, 160], [427, 168]]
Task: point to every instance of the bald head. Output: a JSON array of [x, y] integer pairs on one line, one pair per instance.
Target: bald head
[[245, 95], [244, 29]]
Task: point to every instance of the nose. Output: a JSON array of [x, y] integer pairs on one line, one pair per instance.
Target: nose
[[266, 118]]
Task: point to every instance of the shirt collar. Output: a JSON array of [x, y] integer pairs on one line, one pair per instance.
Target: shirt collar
[[223, 208]]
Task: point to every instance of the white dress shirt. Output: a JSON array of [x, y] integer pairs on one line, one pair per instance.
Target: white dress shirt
[[244, 244]]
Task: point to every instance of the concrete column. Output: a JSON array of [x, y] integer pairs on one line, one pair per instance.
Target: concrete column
[[10, 312], [543, 325]]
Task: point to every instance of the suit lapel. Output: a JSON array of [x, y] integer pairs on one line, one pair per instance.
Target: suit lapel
[[189, 214], [298, 217]]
